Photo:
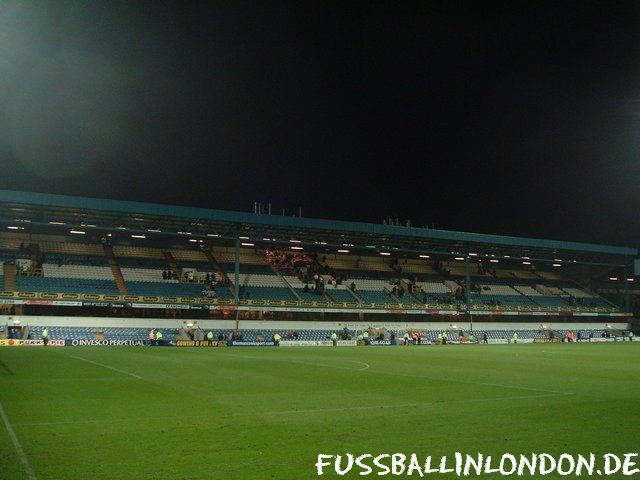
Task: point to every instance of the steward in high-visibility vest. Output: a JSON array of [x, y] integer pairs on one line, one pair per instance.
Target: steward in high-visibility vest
[[444, 338], [365, 337], [630, 336], [276, 339], [515, 337], [45, 336], [334, 338], [159, 337], [209, 337]]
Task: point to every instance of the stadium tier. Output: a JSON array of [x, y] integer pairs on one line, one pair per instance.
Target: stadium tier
[[173, 335], [192, 274], [141, 256]]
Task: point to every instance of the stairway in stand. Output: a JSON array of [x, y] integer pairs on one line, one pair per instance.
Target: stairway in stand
[[10, 272], [219, 270], [115, 269], [173, 265]]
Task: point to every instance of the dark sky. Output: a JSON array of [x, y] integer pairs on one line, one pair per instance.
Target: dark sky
[[506, 118]]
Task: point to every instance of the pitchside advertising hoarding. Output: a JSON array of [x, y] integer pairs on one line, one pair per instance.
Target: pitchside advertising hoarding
[[317, 343], [105, 343], [200, 343], [30, 343]]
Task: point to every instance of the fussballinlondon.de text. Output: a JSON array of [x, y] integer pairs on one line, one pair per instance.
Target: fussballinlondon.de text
[[465, 465]]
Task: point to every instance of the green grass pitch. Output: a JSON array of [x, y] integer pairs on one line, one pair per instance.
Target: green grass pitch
[[266, 413]]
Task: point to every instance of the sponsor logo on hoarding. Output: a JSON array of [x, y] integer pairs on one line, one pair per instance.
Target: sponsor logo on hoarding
[[40, 343], [103, 343], [251, 344], [306, 343], [176, 306], [200, 343], [9, 342], [38, 302]]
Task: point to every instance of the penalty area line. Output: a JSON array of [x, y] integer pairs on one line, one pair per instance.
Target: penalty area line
[[16, 443], [107, 366]]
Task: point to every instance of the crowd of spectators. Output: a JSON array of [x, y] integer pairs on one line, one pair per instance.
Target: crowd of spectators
[[439, 266], [169, 275], [580, 302], [483, 269], [288, 263], [398, 290]]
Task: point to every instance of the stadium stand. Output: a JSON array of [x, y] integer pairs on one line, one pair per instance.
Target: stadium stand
[[77, 268], [149, 260]]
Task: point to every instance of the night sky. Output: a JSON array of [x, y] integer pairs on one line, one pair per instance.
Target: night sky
[[507, 118]]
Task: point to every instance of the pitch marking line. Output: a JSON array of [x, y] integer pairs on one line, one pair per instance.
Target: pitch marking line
[[23, 458], [107, 366], [512, 387], [229, 415], [365, 365], [302, 411]]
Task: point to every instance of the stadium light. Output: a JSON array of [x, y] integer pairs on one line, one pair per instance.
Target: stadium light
[[12, 227], [473, 254], [295, 241], [193, 240], [154, 230], [613, 279], [212, 235], [423, 256], [243, 238], [297, 248], [494, 260], [507, 256], [247, 244], [631, 279], [342, 250], [459, 258], [57, 223], [386, 254], [138, 236], [557, 259], [526, 263], [77, 232], [557, 265]]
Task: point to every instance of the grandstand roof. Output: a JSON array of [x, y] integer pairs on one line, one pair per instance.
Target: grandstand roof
[[58, 213]]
